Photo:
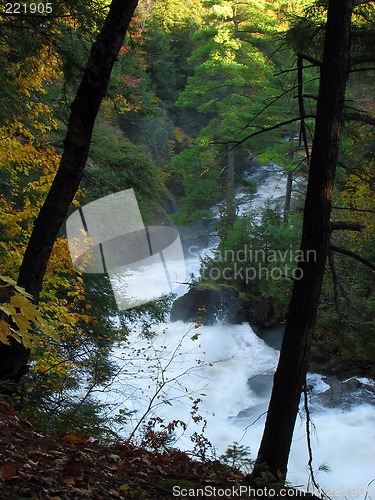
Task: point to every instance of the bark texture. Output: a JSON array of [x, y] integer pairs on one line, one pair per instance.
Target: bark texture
[[291, 371]]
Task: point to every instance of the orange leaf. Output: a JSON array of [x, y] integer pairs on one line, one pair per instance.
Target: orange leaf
[[8, 471], [72, 438]]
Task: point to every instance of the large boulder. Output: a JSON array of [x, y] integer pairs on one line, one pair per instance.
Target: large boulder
[[211, 305], [261, 314], [346, 393]]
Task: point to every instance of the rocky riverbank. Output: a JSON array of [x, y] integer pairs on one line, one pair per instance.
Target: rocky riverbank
[[223, 304]]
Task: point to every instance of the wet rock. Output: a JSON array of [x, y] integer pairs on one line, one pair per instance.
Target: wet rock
[[272, 336], [261, 384], [251, 414], [262, 314], [346, 393], [221, 304]]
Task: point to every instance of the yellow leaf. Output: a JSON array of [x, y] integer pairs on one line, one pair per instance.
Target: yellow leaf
[[22, 323], [4, 332], [8, 309]]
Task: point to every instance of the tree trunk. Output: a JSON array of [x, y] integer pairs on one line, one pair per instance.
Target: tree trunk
[[288, 195], [84, 110], [291, 371]]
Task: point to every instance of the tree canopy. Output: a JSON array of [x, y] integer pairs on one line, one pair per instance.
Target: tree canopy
[[182, 101]]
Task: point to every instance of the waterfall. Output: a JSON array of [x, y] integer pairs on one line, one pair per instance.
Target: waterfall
[[230, 369]]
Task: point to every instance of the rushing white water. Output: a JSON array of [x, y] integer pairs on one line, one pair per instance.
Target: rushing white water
[[171, 369], [271, 185], [230, 369]]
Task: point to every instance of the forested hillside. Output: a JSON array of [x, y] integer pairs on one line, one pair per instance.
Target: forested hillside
[[183, 101]]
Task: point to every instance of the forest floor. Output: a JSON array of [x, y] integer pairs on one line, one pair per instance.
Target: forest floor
[[36, 466]]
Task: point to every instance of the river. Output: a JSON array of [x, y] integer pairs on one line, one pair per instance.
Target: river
[[230, 370]]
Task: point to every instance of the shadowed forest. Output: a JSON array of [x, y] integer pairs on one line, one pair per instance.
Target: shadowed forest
[[249, 127]]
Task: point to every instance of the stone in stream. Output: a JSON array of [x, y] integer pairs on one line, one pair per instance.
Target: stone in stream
[[346, 393], [221, 304]]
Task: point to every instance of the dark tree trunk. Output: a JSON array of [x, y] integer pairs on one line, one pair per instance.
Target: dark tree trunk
[[291, 371], [84, 110], [288, 195]]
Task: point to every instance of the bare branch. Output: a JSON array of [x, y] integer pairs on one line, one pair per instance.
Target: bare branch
[[359, 117], [335, 281], [353, 255], [357, 70], [312, 60], [354, 209], [308, 437], [310, 96], [301, 107], [362, 60], [271, 101], [347, 226], [337, 285], [263, 130], [292, 70], [361, 2]]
